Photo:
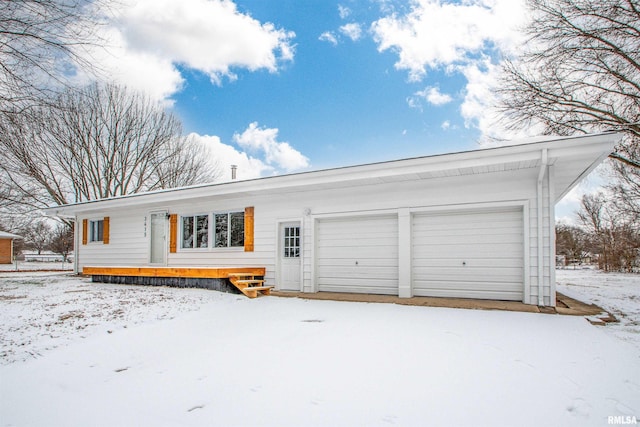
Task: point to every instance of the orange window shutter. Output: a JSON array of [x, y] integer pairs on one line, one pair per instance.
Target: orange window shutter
[[105, 230], [173, 233], [248, 229], [85, 231]]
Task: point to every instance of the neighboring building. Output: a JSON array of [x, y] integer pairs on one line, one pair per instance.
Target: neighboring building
[[6, 247], [476, 224]]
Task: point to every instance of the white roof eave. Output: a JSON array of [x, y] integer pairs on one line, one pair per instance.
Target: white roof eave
[[592, 147]]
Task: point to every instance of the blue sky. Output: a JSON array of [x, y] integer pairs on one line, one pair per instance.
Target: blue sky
[[279, 86], [336, 104]]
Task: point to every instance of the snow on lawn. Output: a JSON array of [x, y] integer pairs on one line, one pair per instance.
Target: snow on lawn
[[163, 357], [41, 311], [618, 293]]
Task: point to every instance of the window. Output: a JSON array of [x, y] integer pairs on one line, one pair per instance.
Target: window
[[96, 230], [229, 229], [292, 242], [195, 231]]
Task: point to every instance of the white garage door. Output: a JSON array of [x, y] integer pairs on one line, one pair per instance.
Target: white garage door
[[469, 254], [358, 255]]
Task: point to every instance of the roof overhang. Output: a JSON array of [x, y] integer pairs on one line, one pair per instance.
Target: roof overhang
[[5, 235], [573, 159]]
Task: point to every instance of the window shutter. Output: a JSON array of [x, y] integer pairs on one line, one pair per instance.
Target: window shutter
[[85, 229], [248, 229], [105, 230], [173, 233]]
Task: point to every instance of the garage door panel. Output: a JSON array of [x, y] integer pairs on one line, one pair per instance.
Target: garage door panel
[[469, 291], [488, 242], [365, 243], [362, 263], [444, 275], [476, 262], [471, 238], [357, 254], [358, 286], [439, 232], [465, 252], [371, 273]]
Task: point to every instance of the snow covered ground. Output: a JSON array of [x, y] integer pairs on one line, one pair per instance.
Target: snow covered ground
[[617, 293], [76, 353]]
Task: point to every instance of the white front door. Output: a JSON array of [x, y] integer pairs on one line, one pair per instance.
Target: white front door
[[158, 235], [290, 255]]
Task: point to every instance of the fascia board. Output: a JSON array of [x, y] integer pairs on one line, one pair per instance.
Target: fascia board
[[351, 175]]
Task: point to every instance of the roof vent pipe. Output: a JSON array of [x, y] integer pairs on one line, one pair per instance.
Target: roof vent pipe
[[234, 170]]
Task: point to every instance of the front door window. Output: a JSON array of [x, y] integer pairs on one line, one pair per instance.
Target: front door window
[[291, 242]]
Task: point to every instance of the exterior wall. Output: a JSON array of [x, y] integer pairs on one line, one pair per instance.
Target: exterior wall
[[129, 239], [6, 249]]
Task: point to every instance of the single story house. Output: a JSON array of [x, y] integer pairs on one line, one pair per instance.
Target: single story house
[[474, 224], [6, 247]]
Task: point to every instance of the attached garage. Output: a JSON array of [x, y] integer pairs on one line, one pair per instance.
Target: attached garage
[[358, 254], [469, 254]]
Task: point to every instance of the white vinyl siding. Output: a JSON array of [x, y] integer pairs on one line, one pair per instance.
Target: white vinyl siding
[[469, 254], [358, 255]]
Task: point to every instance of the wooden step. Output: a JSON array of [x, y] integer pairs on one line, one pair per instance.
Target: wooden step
[[249, 282], [242, 274], [252, 292]]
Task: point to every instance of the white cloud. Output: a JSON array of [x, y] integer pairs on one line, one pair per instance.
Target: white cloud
[[446, 125], [352, 30], [478, 109], [146, 39], [265, 141], [343, 11], [431, 94], [458, 37], [436, 34], [226, 155], [328, 36]]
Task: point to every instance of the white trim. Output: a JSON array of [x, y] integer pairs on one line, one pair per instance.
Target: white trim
[[405, 276], [348, 214], [599, 144], [469, 206], [540, 222], [552, 238], [77, 242], [526, 218]]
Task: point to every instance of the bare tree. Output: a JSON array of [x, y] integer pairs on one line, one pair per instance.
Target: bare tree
[[99, 142], [61, 241], [36, 235], [571, 242], [40, 40], [614, 237], [580, 71]]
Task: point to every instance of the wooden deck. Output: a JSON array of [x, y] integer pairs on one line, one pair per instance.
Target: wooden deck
[[248, 280], [186, 272]]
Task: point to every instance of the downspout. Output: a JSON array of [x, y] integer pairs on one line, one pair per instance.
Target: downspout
[[76, 244], [540, 203]]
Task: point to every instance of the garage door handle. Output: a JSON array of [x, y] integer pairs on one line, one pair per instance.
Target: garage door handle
[[464, 262]]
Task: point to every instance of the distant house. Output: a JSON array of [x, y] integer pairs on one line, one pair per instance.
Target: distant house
[[6, 247], [475, 224]]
